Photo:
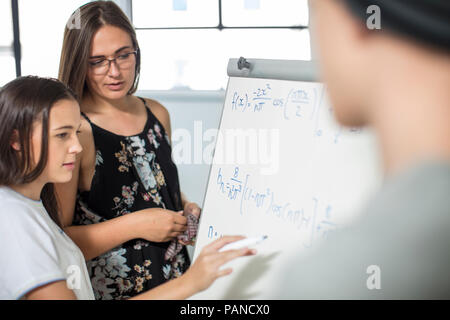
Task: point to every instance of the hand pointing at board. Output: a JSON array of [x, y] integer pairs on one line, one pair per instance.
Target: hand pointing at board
[[205, 269]]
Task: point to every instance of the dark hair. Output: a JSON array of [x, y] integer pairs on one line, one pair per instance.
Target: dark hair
[[22, 102], [426, 21], [77, 42]]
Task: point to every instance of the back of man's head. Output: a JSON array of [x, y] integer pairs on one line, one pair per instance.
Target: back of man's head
[[377, 54], [425, 21]]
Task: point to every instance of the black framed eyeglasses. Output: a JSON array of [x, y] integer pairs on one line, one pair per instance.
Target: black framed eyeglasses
[[123, 61]]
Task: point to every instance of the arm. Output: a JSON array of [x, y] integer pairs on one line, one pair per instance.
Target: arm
[[53, 291], [201, 274], [96, 239], [157, 225]]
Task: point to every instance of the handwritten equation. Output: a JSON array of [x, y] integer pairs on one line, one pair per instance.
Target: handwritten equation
[[316, 222], [300, 104]]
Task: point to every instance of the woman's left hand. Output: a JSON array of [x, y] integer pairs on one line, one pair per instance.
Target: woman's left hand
[[191, 207]]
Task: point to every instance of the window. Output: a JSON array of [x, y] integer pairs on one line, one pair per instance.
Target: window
[[7, 61], [41, 34], [175, 13], [265, 13], [198, 58], [187, 43], [184, 43]]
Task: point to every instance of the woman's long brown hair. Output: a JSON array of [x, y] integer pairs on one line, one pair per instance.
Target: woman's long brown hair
[[77, 43], [24, 101]]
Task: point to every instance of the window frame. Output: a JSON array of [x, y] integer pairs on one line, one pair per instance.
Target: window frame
[[127, 7], [15, 48], [220, 26]]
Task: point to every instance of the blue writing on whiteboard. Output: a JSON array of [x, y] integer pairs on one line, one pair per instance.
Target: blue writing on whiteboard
[[315, 223]]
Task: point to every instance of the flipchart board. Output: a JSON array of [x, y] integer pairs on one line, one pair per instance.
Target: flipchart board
[[284, 168]]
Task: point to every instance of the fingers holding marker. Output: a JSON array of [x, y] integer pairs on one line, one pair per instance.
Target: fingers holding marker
[[228, 255]]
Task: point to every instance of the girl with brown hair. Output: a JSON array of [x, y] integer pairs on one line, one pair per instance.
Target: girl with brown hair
[[124, 206], [39, 119]]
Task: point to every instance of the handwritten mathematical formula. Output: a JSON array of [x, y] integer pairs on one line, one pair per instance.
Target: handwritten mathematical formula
[[300, 104], [316, 223]]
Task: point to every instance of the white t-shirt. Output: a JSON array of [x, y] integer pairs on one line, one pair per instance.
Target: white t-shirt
[[34, 251]]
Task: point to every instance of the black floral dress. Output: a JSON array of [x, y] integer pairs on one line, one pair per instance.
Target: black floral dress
[[131, 173]]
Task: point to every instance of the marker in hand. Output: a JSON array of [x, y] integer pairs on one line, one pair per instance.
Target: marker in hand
[[244, 243]]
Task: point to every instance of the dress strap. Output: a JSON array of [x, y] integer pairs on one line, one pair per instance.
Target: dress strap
[[152, 119], [86, 117], [145, 102]]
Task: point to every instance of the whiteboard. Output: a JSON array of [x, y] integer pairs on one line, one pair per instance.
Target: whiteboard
[[284, 168]]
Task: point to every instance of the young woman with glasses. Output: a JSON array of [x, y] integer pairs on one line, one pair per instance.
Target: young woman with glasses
[[123, 206]]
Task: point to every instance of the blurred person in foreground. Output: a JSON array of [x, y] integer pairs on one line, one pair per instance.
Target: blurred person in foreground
[[396, 80]]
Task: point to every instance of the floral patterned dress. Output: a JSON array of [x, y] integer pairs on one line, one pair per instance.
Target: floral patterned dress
[[131, 173]]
